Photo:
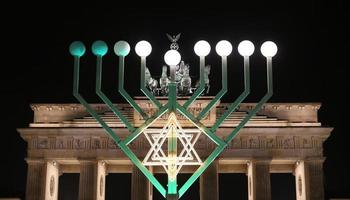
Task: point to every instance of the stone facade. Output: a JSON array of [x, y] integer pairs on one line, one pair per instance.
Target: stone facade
[[283, 138]]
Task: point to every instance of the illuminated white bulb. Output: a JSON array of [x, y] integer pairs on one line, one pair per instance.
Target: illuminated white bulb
[[121, 48], [143, 48], [246, 48], [172, 57], [223, 48], [202, 48], [268, 49]]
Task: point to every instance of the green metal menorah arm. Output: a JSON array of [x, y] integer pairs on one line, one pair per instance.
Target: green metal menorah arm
[[111, 133], [239, 100], [221, 93], [123, 92], [201, 88], [259, 105], [143, 88], [92, 112], [146, 124], [105, 99], [201, 169], [227, 141], [199, 125]]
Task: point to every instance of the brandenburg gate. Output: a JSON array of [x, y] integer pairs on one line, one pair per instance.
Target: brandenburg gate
[[283, 138], [174, 129]]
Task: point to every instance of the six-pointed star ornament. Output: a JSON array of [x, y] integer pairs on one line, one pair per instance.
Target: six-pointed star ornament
[[171, 134]]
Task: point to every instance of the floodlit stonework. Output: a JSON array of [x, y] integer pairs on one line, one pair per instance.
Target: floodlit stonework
[[282, 138]]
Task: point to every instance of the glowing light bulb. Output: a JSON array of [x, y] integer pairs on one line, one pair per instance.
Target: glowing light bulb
[[121, 48], [172, 57], [246, 48], [143, 48], [268, 49], [99, 48], [223, 48], [202, 48], [77, 48]]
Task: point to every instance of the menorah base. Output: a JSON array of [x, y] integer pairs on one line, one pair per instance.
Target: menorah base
[[172, 196]]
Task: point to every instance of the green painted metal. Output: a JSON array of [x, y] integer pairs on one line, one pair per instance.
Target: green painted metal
[[172, 97], [259, 105], [221, 93], [239, 100], [143, 88], [201, 169], [111, 133], [172, 187], [201, 88], [85, 104], [199, 125], [105, 99], [146, 124], [172, 140], [172, 106], [233, 134], [123, 92]]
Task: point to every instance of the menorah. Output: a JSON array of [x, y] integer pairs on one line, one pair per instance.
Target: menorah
[[172, 133]]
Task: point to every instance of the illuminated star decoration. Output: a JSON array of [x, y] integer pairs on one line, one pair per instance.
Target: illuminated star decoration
[[172, 162]]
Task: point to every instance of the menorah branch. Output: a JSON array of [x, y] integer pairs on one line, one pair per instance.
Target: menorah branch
[[172, 131], [123, 92]]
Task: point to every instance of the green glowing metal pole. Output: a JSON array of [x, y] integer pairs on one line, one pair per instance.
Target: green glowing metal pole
[[77, 49], [200, 126], [111, 133], [239, 100], [232, 135], [124, 93], [105, 98], [172, 140], [221, 93], [259, 105], [201, 88], [143, 88]]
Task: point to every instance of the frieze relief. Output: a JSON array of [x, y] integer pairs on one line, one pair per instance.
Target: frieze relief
[[203, 143]]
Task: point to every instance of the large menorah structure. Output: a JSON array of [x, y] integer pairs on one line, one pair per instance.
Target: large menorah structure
[[172, 147]]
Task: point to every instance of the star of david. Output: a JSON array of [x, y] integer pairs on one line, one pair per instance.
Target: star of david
[[187, 138]]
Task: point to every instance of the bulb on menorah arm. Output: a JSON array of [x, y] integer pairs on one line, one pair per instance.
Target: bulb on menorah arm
[[172, 58]]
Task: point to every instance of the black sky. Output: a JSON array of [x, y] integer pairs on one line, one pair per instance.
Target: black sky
[[311, 64]]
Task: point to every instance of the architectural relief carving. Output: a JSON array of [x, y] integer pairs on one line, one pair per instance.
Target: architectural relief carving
[[52, 185], [240, 142]]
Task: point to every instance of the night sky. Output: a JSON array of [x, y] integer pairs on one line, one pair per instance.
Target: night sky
[[310, 66]]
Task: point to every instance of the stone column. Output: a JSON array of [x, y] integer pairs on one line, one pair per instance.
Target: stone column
[[42, 180], [209, 183], [92, 180], [259, 186], [309, 179], [141, 188]]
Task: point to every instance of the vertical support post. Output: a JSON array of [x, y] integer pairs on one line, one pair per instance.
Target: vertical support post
[[140, 186], [221, 93], [309, 179], [259, 185], [92, 180], [42, 180], [209, 183], [150, 96], [122, 91], [172, 139]]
